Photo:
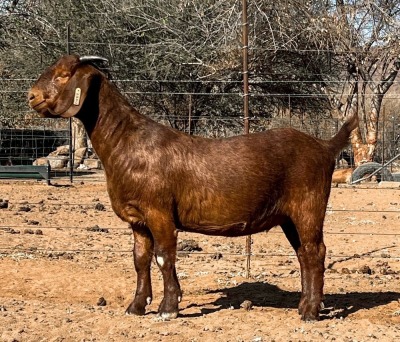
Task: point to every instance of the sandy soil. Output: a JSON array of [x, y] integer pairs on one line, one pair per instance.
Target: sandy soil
[[62, 249]]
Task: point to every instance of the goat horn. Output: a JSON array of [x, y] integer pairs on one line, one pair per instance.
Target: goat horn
[[93, 59]]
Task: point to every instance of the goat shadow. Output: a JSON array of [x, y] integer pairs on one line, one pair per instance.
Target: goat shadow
[[270, 296]]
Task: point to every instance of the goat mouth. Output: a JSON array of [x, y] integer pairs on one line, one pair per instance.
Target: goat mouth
[[38, 106]]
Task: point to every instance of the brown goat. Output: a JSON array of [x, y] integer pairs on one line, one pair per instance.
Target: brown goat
[[160, 180]]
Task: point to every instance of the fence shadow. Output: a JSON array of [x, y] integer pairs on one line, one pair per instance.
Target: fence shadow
[[270, 296]]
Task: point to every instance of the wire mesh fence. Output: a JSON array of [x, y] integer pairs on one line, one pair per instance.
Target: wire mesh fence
[[26, 141], [84, 238]]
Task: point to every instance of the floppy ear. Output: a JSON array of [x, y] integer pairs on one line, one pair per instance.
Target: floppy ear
[[72, 97]]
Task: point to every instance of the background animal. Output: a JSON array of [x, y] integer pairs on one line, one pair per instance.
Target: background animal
[[342, 175], [160, 180]]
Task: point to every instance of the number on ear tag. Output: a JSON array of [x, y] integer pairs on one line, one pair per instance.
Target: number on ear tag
[[77, 96]]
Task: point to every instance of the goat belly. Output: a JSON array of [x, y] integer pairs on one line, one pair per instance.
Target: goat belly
[[233, 229]]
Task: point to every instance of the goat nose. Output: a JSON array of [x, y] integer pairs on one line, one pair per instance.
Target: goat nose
[[31, 95], [34, 95]]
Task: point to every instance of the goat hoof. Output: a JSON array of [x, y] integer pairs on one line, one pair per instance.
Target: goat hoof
[[302, 306], [169, 308], [310, 315], [166, 316], [309, 318], [135, 310], [310, 312]]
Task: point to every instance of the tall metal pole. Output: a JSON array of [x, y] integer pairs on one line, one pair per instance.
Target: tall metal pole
[[394, 141], [383, 136], [190, 113], [71, 157], [245, 51]]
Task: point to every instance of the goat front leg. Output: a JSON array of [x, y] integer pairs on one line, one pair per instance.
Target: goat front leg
[[142, 254], [165, 242]]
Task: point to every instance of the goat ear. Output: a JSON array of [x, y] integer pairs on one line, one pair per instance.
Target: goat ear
[[72, 97]]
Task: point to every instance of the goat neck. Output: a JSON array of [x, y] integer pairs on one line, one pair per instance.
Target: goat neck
[[107, 116]]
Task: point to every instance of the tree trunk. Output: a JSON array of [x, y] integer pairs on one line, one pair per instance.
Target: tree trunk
[[78, 135], [379, 90], [360, 149], [365, 152], [372, 127]]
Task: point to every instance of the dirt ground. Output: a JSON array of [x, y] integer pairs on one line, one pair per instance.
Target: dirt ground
[[66, 273]]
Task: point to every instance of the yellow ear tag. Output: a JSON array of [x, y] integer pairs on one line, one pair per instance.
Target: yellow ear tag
[[77, 96]]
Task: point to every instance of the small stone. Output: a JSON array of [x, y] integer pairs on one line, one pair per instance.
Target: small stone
[[365, 270], [387, 271], [188, 246], [33, 223], [100, 207], [345, 270], [11, 231], [28, 231], [216, 256], [247, 305], [101, 302], [67, 256], [3, 204], [97, 229]]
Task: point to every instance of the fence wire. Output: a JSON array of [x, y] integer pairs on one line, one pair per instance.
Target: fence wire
[[11, 229]]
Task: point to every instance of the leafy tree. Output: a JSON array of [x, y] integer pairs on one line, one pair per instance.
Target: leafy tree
[[365, 35], [175, 57]]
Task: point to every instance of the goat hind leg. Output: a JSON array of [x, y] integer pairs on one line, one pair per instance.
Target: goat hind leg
[[143, 254], [311, 256], [292, 235]]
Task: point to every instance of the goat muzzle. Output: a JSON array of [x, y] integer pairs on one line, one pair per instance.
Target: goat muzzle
[[35, 99]]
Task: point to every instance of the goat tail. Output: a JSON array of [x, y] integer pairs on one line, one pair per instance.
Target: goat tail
[[341, 139]]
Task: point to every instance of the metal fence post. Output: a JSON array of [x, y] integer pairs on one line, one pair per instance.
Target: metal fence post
[[71, 161], [245, 49], [383, 135]]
